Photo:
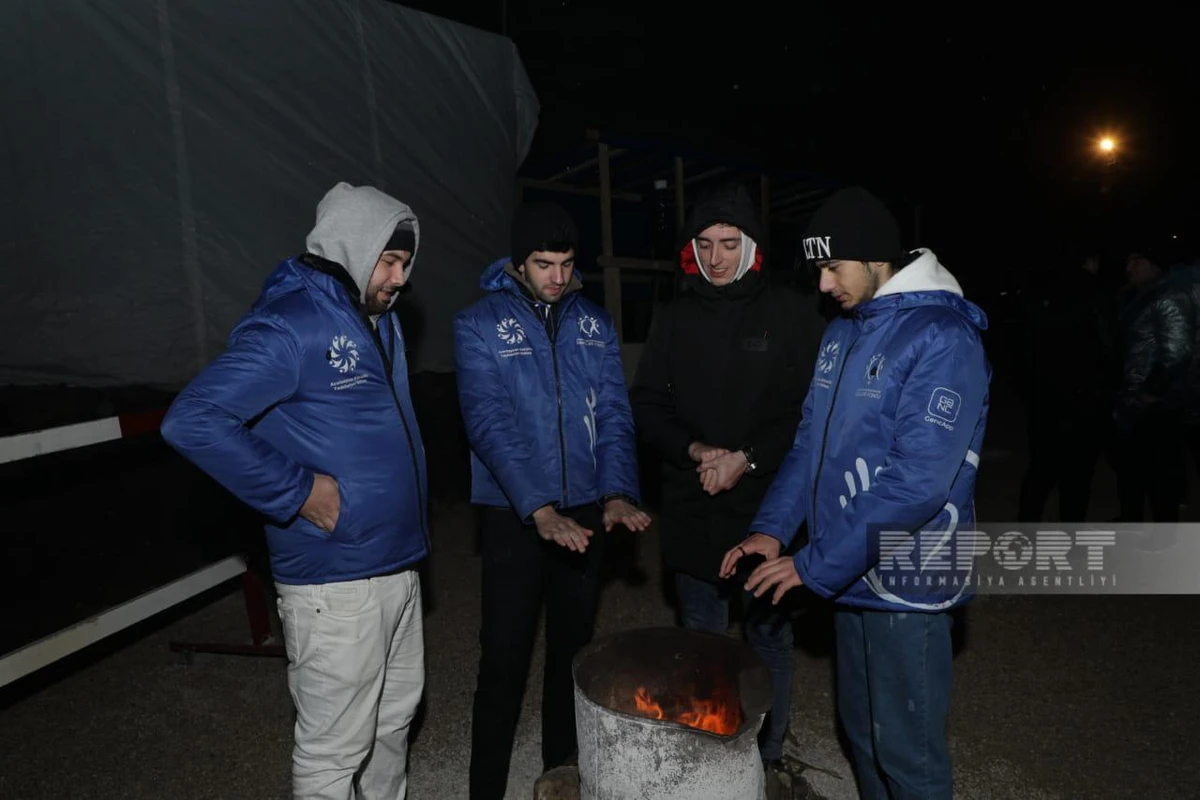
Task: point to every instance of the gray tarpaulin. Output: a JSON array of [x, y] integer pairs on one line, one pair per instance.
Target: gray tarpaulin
[[159, 157]]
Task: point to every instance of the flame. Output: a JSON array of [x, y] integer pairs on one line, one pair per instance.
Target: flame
[[707, 715]]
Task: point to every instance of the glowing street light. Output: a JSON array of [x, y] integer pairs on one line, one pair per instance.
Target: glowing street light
[[1108, 146]]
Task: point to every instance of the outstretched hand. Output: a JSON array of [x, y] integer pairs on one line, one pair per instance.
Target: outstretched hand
[[756, 544], [622, 512], [779, 572], [562, 530]]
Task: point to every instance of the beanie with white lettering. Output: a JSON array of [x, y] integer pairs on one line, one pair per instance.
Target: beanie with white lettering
[[853, 225]]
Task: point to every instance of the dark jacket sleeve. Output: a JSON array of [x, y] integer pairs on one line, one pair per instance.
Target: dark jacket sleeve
[[773, 438], [1175, 336], [1157, 350], [654, 413]]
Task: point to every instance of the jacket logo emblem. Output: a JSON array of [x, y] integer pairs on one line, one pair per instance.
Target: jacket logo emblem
[[510, 331], [874, 367], [828, 357], [589, 326], [864, 480], [944, 404], [342, 354], [589, 422], [943, 408]]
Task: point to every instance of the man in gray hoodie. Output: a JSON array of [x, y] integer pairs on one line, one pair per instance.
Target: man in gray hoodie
[[306, 417]]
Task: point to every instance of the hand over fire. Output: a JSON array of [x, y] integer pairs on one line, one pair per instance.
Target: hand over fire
[[778, 571], [756, 544], [554, 527], [622, 512]]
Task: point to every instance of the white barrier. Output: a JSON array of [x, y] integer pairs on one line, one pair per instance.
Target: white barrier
[[46, 651], [83, 434], [32, 657]]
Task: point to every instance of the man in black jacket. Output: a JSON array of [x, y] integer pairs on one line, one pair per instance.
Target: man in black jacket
[[1065, 342], [1158, 324], [718, 395]]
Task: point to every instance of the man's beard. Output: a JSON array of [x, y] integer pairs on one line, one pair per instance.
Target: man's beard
[[375, 306]]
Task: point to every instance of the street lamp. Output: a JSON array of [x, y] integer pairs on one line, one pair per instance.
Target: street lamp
[[1107, 147]]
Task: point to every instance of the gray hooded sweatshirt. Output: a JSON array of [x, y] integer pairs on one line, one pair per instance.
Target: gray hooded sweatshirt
[[353, 225]]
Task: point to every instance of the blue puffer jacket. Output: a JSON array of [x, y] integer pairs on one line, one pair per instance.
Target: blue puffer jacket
[[889, 442], [548, 418], [304, 388]]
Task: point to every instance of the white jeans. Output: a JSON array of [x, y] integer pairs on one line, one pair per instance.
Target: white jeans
[[356, 671]]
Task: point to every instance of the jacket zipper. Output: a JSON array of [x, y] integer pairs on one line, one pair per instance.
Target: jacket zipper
[[343, 279], [552, 330], [825, 433], [389, 365]]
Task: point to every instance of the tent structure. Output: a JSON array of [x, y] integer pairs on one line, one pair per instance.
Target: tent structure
[[161, 156]]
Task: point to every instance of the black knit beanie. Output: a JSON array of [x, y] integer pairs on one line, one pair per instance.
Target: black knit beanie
[[403, 238], [542, 226], [853, 225]]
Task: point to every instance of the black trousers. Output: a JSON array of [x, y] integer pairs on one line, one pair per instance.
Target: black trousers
[[1151, 466], [520, 571], [1063, 454]]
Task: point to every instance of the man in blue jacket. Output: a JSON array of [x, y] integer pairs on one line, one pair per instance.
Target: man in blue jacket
[[553, 466], [306, 417], [888, 444]]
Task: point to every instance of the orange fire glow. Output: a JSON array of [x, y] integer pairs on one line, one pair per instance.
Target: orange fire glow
[[707, 715]]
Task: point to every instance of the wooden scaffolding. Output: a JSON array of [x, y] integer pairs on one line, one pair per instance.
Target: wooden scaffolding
[[619, 167]]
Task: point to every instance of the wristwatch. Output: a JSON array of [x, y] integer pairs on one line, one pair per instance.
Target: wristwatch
[[748, 452]]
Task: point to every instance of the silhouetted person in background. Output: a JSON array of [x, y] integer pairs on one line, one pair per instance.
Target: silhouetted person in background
[[1157, 323], [1064, 387], [1185, 279]]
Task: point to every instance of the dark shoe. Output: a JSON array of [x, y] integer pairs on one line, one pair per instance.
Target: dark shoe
[[778, 785], [560, 783]]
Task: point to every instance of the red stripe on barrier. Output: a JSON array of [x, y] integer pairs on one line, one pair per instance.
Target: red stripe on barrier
[[80, 434], [140, 422]]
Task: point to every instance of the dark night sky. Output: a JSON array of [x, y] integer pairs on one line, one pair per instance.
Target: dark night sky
[[987, 115]]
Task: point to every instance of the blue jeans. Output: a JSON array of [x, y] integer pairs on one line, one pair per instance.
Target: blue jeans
[[893, 695], [705, 607]]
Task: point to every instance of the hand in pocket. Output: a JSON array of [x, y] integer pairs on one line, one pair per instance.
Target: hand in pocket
[[323, 505]]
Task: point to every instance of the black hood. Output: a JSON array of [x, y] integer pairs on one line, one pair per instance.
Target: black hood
[[730, 205]]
